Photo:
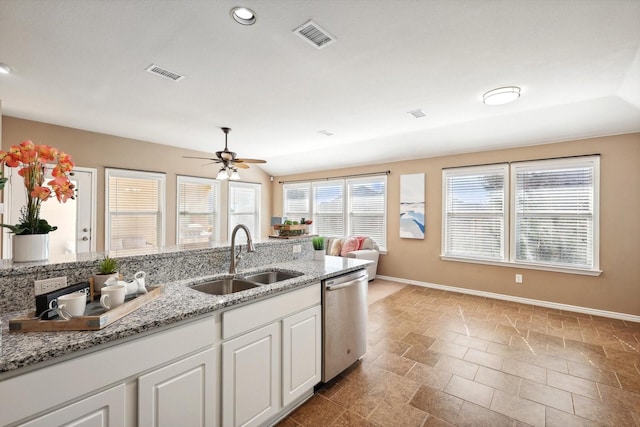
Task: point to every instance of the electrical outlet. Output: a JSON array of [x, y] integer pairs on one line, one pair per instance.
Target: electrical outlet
[[45, 286], [297, 249], [518, 278]]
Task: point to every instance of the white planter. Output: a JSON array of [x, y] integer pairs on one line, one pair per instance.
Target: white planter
[[30, 247], [318, 255]]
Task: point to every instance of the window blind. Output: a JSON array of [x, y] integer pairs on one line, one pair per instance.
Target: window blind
[[135, 208], [244, 208], [554, 212], [367, 208], [328, 208], [475, 213], [297, 198], [198, 207]]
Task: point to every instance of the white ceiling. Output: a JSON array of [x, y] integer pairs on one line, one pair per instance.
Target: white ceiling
[[82, 64]]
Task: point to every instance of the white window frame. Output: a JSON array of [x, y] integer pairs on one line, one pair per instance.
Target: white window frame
[[126, 173], [215, 185], [258, 193], [470, 171], [346, 214], [382, 244], [509, 207], [554, 164], [290, 215]]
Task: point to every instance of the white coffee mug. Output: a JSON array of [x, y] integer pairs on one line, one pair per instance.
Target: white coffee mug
[[72, 305], [112, 296]]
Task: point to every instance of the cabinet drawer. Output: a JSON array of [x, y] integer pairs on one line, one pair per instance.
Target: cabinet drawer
[[243, 319]]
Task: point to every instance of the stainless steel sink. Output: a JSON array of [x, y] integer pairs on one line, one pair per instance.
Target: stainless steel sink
[[268, 277], [224, 286]]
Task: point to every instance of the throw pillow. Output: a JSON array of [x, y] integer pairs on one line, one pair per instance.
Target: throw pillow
[[336, 247], [350, 245], [360, 241], [367, 243]]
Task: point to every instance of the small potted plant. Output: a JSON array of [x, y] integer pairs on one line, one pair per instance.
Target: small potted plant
[[318, 248], [107, 268]]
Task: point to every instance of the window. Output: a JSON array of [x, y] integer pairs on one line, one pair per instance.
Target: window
[[198, 211], [244, 208], [475, 214], [296, 201], [328, 208], [555, 212], [553, 209], [135, 207], [341, 207], [367, 208]]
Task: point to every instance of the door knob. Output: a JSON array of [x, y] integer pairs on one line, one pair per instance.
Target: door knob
[[85, 229], [85, 238]]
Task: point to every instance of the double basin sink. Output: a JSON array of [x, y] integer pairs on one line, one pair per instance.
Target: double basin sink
[[236, 284]]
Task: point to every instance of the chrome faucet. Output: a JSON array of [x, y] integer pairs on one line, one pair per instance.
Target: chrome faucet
[[250, 248]]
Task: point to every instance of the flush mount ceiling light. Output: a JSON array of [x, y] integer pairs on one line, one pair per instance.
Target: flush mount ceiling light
[[4, 68], [243, 15], [501, 95]]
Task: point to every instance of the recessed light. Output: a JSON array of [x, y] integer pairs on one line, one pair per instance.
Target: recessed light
[[4, 68], [243, 15], [501, 95]]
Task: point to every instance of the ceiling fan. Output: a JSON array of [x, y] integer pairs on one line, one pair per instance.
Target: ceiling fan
[[228, 159]]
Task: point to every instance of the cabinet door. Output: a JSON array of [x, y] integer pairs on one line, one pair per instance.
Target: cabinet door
[[301, 353], [180, 394], [251, 377], [104, 409]]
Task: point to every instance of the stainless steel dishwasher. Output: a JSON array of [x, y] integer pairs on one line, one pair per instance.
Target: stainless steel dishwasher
[[344, 322]]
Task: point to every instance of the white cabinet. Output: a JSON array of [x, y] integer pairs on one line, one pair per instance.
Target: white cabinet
[[180, 394], [251, 377], [104, 409], [271, 357], [301, 353]]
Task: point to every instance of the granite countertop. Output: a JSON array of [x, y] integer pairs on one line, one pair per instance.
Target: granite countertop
[[177, 303]]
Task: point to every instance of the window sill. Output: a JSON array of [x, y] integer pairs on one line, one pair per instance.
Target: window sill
[[580, 271]]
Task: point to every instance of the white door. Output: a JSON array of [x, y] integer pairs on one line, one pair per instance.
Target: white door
[[75, 219]]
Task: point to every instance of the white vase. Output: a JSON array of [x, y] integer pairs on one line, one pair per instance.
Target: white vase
[[30, 247], [318, 254]]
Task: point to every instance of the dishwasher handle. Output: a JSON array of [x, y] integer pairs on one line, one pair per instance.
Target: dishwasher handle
[[340, 285]]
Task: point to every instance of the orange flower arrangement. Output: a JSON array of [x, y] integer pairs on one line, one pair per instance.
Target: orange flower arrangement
[[32, 160]]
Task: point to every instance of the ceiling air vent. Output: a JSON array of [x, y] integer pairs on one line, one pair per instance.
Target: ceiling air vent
[[314, 34], [163, 72]]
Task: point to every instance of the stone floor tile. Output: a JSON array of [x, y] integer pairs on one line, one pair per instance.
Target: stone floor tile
[[524, 370], [448, 348], [521, 409], [484, 359], [422, 354], [573, 384], [349, 419], [470, 391], [549, 396], [317, 411], [394, 363], [390, 413], [472, 415], [557, 418], [499, 380], [457, 367], [437, 403], [601, 412], [427, 375]]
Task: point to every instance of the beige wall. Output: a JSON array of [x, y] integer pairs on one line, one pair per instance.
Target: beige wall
[[617, 289], [96, 150]]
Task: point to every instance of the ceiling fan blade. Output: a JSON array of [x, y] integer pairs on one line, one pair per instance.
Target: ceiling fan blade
[[250, 160], [240, 165], [203, 158]]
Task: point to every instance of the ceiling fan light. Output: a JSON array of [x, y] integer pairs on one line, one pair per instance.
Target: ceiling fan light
[[234, 175], [4, 68], [501, 95], [222, 174]]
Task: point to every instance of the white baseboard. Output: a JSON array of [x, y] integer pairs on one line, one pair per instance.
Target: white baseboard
[[548, 304]]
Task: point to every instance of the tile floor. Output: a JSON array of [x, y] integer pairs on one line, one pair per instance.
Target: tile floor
[[438, 358]]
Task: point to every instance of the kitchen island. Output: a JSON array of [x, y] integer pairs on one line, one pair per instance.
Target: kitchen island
[[181, 329]]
